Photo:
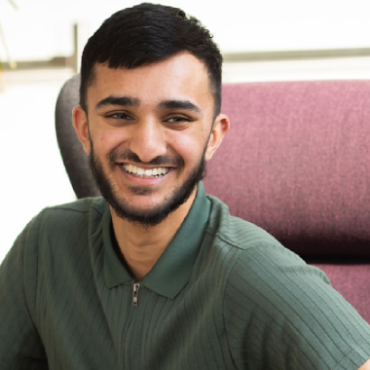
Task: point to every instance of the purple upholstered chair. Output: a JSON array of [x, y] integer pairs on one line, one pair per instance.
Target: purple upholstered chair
[[295, 162]]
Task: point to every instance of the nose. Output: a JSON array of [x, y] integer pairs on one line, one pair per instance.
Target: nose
[[148, 140]]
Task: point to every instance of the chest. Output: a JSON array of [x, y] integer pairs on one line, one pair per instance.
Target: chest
[[92, 327]]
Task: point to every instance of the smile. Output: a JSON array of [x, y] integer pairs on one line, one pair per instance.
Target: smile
[[145, 173]]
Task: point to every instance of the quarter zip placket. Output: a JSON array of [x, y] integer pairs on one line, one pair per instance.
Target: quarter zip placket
[[135, 294]]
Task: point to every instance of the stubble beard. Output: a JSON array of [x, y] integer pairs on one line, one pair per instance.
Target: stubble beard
[[155, 215]]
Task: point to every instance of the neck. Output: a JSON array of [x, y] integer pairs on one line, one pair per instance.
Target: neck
[[142, 246]]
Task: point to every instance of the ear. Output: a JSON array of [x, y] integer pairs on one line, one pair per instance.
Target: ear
[[219, 129], [80, 124]]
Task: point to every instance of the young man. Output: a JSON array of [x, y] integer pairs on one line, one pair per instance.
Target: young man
[[156, 275]]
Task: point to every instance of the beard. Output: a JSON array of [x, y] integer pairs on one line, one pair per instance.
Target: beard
[[156, 215]]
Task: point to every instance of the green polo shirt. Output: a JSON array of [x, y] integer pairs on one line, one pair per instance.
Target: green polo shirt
[[172, 271], [224, 295]]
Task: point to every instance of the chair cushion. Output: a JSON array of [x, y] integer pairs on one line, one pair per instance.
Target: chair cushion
[[296, 162]]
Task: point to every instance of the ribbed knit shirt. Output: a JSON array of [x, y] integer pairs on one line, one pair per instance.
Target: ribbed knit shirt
[[224, 295]]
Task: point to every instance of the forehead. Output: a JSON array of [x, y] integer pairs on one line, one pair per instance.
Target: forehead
[[181, 77]]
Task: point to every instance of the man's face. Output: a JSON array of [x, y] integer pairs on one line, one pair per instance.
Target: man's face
[[148, 134]]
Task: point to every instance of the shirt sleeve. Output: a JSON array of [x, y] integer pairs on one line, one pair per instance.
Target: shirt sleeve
[[281, 313], [20, 344]]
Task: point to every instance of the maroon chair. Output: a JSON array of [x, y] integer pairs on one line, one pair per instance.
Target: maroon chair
[[296, 162]]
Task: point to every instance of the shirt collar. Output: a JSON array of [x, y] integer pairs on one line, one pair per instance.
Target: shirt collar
[[172, 271]]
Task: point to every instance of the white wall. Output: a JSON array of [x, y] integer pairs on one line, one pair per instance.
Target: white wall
[[42, 29], [33, 176]]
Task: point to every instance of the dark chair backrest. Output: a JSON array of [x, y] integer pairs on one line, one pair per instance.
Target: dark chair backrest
[[74, 158]]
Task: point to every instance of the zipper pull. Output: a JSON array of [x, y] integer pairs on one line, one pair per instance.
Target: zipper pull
[[135, 294]]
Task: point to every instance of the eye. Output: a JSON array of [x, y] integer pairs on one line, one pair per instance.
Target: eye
[[178, 119], [119, 115]]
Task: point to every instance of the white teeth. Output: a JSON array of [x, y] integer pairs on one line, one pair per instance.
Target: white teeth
[[141, 172]]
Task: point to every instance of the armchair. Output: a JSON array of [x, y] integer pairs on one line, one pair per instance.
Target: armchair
[[296, 162]]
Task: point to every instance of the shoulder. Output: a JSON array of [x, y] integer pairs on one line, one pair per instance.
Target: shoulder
[[55, 224], [57, 237], [78, 208], [71, 215], [236, 232], [259, 260], [255, 260]]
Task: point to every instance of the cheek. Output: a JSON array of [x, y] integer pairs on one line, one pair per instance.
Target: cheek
[[189, 147], [107, 140]]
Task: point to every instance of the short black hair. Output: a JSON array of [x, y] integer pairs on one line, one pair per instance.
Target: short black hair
[[146, 34]]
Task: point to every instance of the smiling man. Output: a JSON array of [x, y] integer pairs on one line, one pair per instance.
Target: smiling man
[[148, 138], [155, 274]]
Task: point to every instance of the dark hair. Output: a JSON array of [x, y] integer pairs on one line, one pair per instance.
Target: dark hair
[[149, 33]]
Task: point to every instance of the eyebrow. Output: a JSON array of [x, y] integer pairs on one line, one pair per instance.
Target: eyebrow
[[118, 100], [179, 104], [134, 102]]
